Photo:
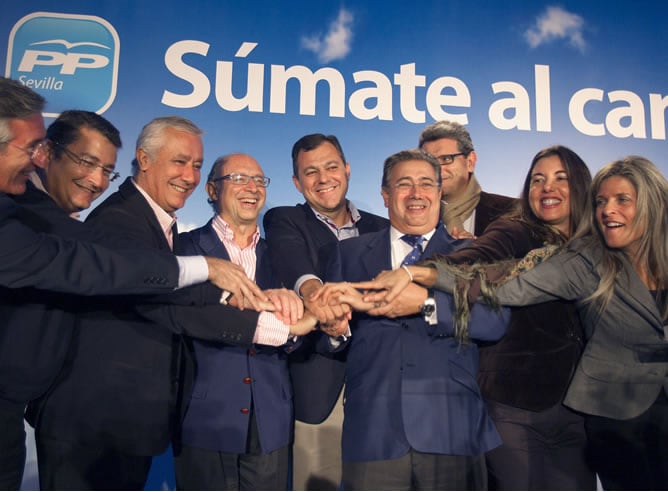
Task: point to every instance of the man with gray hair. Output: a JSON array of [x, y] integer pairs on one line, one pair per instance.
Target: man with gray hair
[[120, 398], [464, 206], [45, 253]]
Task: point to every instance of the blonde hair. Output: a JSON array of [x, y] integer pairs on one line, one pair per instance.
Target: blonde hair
[[651, 214]]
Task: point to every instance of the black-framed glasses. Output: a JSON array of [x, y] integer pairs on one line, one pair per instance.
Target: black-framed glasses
[[244, 179], [446, 159], [107, 171], [38, 152]]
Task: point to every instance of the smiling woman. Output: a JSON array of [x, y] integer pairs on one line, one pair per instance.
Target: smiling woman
[[616, 272]]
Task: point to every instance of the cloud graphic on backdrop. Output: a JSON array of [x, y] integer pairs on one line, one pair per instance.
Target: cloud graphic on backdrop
[[334, 45], [555, 24]]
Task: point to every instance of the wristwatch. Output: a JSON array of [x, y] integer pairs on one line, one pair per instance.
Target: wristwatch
[[428, 309]]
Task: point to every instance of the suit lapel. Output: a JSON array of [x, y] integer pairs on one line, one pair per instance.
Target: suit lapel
[[377, 255], [638, 297], [140, 207], [210, 244]]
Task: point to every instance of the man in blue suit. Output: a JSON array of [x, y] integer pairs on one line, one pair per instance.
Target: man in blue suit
[[414, 418], [238, 426]]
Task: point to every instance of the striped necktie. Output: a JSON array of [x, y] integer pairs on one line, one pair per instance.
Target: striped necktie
[[414, 255]]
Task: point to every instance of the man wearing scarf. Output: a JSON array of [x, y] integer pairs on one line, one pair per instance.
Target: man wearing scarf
[[464, 206]]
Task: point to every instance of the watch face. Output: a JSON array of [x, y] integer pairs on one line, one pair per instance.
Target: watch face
[[428, 307]]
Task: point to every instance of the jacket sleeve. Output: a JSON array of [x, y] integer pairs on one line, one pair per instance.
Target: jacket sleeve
[[503, 239], [31, 259], [568, 276], [486, 323], [292, 251]]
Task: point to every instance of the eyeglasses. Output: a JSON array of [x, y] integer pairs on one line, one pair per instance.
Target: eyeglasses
[[244, 179], [38, 153], [446, 159], [422, 185], [107, 171]]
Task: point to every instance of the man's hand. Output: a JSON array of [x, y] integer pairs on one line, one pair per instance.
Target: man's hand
[[335, 328], [463, 234], [387, 285], [408, 303], [325, 310], [343, 293], [232, 278], [288, 307]]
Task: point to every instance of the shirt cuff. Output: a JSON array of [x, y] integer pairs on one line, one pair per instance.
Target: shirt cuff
[[192, 270], [334, 342], [300, 281], [270, 330]]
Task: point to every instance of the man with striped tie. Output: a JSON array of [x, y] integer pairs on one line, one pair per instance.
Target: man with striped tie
[[413, 416]]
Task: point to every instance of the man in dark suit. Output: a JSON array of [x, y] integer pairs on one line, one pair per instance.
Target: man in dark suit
[[119, 399], [31, 256], [38, 319], [296, 237], [414, 418], [238, 426], [465, 208]]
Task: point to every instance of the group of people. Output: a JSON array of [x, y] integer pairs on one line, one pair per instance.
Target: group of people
[[342, 350]]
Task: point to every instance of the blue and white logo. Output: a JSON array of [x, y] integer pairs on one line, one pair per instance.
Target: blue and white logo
[[71, 60]]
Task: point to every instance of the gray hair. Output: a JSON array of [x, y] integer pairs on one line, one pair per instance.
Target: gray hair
[[448, 129], [17, 102], [152, 136]]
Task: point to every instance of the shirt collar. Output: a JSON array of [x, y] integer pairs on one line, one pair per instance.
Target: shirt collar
[[165, 219], [395, 235], [226, 234], [354, 215]]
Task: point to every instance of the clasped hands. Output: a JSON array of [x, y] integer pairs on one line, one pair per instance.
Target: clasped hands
[[284, 303], [391, 293]]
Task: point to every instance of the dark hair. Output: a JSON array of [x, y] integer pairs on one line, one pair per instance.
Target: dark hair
[[67, 129], [313, 141], [16, 102], [409, 155], [579, 181]]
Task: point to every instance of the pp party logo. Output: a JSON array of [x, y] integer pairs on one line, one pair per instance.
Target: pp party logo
[[70, 59]]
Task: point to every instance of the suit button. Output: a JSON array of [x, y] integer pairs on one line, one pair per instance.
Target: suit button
[[251, 352], [245, 410], [247, 380]]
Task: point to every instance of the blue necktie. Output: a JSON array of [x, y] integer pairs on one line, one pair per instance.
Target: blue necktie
[[414, 255]]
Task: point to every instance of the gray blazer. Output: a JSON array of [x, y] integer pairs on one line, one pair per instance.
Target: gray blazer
[[625, 362]]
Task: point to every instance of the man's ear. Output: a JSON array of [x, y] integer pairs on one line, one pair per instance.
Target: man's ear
[[471, 159], [297, 184], [211, 191], [143, 159]]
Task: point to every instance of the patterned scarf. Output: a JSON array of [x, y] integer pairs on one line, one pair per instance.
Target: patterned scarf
[[482, 280], [456, 211]]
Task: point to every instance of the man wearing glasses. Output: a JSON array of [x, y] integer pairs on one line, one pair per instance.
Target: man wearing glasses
[[39, 249], [465, 208], [82, 149], [238, 426], [122, 394], [414, 419]]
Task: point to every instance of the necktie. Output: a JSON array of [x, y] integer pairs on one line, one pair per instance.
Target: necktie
[[414, 254]]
